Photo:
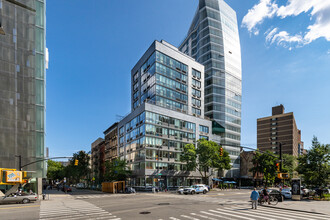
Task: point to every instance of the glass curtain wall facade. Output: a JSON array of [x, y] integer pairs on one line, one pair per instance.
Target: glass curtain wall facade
[[151, 141], [22, 83], [213, 40], [160, 78]]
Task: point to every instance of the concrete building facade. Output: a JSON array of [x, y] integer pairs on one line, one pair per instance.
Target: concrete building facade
[[279, 128]]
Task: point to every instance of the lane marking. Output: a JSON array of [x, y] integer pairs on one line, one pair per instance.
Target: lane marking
[[296, 214], [237, 216], [21, 207], [203, 216], [222, 217], [188, 217], [260, 212]]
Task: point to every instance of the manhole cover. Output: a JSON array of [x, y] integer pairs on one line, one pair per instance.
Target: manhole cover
[[165, 203], [144, 213]]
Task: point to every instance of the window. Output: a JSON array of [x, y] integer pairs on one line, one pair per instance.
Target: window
[[203, 137], [203, 128], [196, 93], [196, 83], [168, 61], [274, 123], [196, 73], [196, 102], [136, 76], [196, 111], [121, 130]]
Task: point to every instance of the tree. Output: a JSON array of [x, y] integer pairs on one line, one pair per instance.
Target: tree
[[289, 163], [116, 170], [205, 156], [55, 170], [82, 170], [315, 165], [265, 163]]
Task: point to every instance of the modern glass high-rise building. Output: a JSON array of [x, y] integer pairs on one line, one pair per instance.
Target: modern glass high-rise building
[[213, 40], [23, 62], [167, 113]]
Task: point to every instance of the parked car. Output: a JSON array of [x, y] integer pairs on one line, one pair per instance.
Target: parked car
[[23, 198], [66, 188], [199, 188], [180, 190], [286, 192], [80, 186]]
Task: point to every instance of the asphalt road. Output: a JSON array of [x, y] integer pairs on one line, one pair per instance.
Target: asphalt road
[[215, 205], [162, 205], [28, 211]]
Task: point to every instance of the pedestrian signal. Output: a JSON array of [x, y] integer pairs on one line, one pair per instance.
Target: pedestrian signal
[[76, 162]]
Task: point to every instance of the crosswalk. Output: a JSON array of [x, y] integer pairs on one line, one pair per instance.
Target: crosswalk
[[246, 213], [72, 209], [202, 198], [101, 196]]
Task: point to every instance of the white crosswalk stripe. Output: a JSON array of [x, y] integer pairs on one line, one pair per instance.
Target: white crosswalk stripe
[[72, 209], [246, 213], [102, 196]]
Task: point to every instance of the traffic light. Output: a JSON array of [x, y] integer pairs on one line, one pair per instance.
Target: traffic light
[[76, 162], [278, 167], [221, 152]]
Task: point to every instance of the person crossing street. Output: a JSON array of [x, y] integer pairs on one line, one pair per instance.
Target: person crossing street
[[254, 198]]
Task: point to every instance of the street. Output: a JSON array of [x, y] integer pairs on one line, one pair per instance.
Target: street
[[86, 204]]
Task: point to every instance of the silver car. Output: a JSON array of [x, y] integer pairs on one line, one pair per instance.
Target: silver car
[[23, 198], [286, 192]]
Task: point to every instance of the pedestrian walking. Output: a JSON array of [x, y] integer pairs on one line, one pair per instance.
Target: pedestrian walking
[[254, 198]]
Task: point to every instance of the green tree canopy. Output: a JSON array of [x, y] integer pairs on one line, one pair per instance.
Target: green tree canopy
[[117, 170], [55, 170], [76, 173], [265, 163], [205, 156], [289, 164], [315, 165]]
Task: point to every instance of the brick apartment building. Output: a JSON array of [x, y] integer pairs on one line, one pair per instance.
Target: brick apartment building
[[280, 128]]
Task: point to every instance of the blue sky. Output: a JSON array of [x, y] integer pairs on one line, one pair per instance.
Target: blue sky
[[94, 44]]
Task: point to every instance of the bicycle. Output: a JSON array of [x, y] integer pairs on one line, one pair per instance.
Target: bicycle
[[272, 200]]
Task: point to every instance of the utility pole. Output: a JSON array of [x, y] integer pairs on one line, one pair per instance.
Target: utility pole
[[281, 162]]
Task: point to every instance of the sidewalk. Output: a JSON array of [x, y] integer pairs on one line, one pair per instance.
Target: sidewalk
[[305, 206]]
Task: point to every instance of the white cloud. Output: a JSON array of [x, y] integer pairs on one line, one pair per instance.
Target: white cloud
[[318, 10], [284, 37], [271, 34], [295, 7], [265, 9]]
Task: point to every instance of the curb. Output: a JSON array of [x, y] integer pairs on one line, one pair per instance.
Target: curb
[[296, 210]]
